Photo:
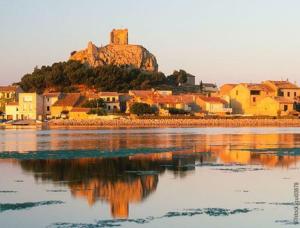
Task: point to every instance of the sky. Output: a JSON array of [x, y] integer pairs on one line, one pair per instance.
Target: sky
[[219, 41]]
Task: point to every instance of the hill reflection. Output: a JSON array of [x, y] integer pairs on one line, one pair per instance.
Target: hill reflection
[[122, 181]]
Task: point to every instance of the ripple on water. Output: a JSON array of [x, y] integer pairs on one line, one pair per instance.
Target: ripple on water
[[171, 214], [26, 205]]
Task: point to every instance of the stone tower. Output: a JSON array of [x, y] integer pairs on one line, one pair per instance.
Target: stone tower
[[119, 36]]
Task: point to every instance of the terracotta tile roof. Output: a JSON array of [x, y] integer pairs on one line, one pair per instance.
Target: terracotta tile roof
[[258, 86], [68, 99], [51, 94], [108, 94], [213, 100], [79, 109], [284, 100], [141, 93], [8, 88], [174, 99], [225, 89], [284, 85], [12, 103]]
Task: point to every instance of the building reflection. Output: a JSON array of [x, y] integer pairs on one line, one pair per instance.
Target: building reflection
[[122, 181]]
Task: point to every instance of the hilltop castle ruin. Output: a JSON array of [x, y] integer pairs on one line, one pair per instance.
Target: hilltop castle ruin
[[119, 36], [118, 52]]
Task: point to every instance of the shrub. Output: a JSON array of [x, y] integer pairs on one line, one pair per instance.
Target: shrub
[[176, 111], [98, 112], [97, 103], [142, 109]]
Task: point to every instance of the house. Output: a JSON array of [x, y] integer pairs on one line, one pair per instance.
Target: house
[[111, 100], [275, 106], [8, 94], [172, 101], [49, 100], [209, 88], [225, 89], [190, 80], [252, 99], [79, 113], [213, 105], [141, 96], [30, 106], [12, 111], [245, 96], [284, 89], [146, 96], [62, 107]]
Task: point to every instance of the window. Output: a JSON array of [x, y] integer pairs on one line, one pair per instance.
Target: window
[[285, 108], [108, 107], [48, 108], [7, 95], [288, 94], [113, 99], [254, 99], [108, 99], [237, 92], [115, 107], [254, 92], [48, 99], [295, 94]]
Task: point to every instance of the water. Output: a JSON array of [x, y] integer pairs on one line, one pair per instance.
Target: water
[[190, 177]]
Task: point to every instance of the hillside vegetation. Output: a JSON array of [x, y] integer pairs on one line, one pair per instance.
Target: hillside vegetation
[[64, 76]]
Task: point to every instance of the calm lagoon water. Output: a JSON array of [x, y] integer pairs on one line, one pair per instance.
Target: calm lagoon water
[[187, 177]]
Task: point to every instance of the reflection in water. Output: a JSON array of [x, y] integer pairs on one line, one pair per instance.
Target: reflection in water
[[110, 179], [125, 180]]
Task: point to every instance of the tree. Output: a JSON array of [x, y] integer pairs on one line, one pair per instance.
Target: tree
[[98, 111], [65, 76], [96, 103], [201, 87], [142, 109], [176, 111], [177, 78]]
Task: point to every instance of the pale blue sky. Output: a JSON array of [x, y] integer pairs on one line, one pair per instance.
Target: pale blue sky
[[217, 40]]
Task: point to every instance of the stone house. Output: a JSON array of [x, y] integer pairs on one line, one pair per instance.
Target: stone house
[[250, 98], [173, 101], [62, 107], [12, 111], [8, 94], [275, 106], [245, 96], [111, 100], [213, 105], [49, 100], [30, 106], [284, 89]]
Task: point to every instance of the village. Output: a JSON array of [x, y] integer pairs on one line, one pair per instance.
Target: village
[[181, 98], [266, 99]]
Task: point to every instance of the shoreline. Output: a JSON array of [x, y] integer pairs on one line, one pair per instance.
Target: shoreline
[[171, 123], [158, 123]]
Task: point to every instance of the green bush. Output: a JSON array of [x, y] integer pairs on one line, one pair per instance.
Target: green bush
[[98, 112], [97, 103], [176, 111], [142, 109]]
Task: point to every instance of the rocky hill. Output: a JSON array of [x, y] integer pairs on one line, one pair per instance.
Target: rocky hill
[[118, 52]]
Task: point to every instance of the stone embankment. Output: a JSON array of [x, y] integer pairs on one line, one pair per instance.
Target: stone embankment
[[152, 123]]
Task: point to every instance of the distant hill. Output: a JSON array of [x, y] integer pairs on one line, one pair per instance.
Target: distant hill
[[115, 67]]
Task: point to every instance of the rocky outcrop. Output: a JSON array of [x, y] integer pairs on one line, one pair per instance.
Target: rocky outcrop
[[117, 54]]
